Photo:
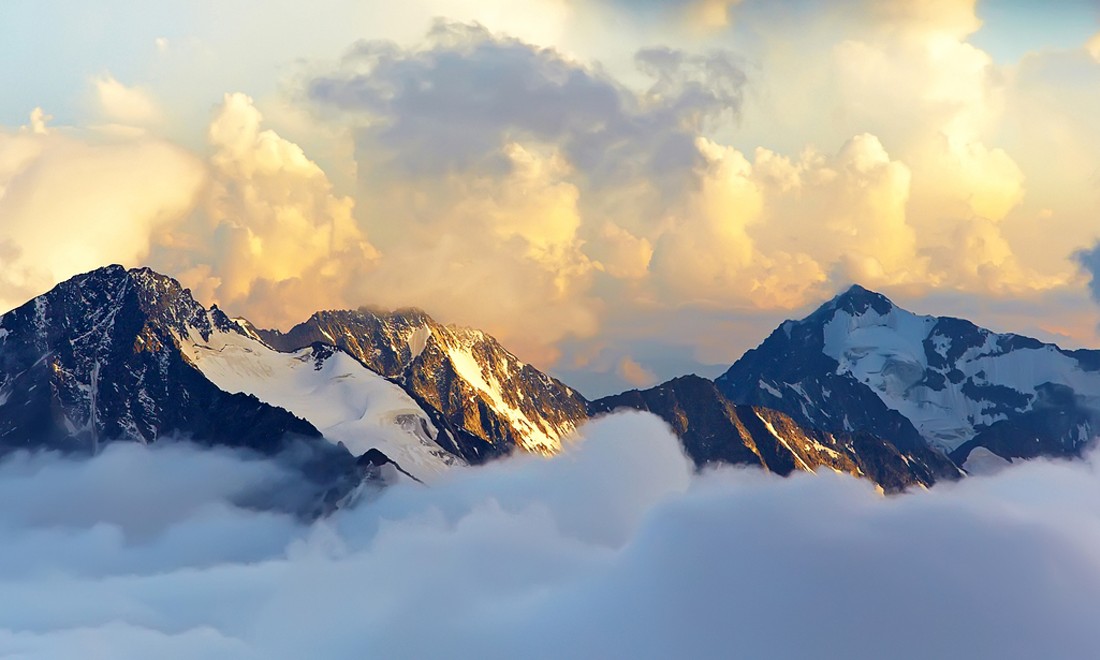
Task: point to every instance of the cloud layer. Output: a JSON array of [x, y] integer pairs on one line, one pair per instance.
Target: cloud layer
[[612, 549]]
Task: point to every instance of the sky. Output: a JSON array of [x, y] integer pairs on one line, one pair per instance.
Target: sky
[[621, 192], [639, 557]]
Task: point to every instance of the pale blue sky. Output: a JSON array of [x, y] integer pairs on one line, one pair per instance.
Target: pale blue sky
[[1011, 28], [50, 49]]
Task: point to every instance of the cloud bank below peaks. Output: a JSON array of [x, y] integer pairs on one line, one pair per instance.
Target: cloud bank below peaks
[[614, 548]]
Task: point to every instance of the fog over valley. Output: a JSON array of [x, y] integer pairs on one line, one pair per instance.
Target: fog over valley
[[615, 547]]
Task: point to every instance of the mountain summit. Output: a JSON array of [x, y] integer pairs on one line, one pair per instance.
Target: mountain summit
[[98, 359], [484, 399], [129, 355], [860, 386], [857, 300], [861, 363]]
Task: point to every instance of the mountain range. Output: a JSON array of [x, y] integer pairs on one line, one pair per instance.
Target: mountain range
[[356, 399]]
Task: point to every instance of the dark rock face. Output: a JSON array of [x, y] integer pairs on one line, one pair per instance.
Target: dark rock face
[[376, 458], [485, 401], [715, 430], [790, 373], [708, 425], [96, 360], [1059, 425]]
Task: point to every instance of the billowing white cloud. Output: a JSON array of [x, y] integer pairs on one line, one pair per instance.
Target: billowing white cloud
[[489, 170], [271, 240], [254, 225], [613, 548], [773, 232], [72, 201], [125, 105], [1093, 46], [519, 175], [663, 212]]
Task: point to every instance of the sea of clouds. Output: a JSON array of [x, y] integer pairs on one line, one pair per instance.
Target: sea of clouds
[[613, 549]]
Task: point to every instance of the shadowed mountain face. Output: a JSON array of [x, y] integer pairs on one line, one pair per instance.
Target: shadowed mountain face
[[129, 355], [715, 430], [484, 399], [97, 359], [860, 363]]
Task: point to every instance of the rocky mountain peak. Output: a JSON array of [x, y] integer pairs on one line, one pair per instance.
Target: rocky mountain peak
[[89, 303], [170, 304], [715, 430], [400, 316], [486, 399], [856, 301], [97, 359], [860, 363]]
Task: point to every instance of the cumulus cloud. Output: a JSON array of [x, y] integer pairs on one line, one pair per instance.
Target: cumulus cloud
[[39, 120], [496, 176], [551, 186], [253, 224], [614, 548], [777, 232], [72, 201], [499, 253], [1089, 260], [646, 206], [437, 108], [271, 240], [126, 105], [634, 373], [256, 226]]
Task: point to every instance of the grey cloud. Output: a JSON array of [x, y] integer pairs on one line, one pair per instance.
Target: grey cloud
[[612, 550], [122, 512], [1089, 260], [698, 86], [453, 105]]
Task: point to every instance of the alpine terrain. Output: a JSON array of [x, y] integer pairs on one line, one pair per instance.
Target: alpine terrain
[[861, 364], [365, 397], [483, 399], [129, 355]]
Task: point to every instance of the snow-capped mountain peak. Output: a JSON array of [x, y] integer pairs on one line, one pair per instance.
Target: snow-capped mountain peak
[[117, 354], [860, 386], [953, 383], [487, 401], [347, 402], [97, 359]]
